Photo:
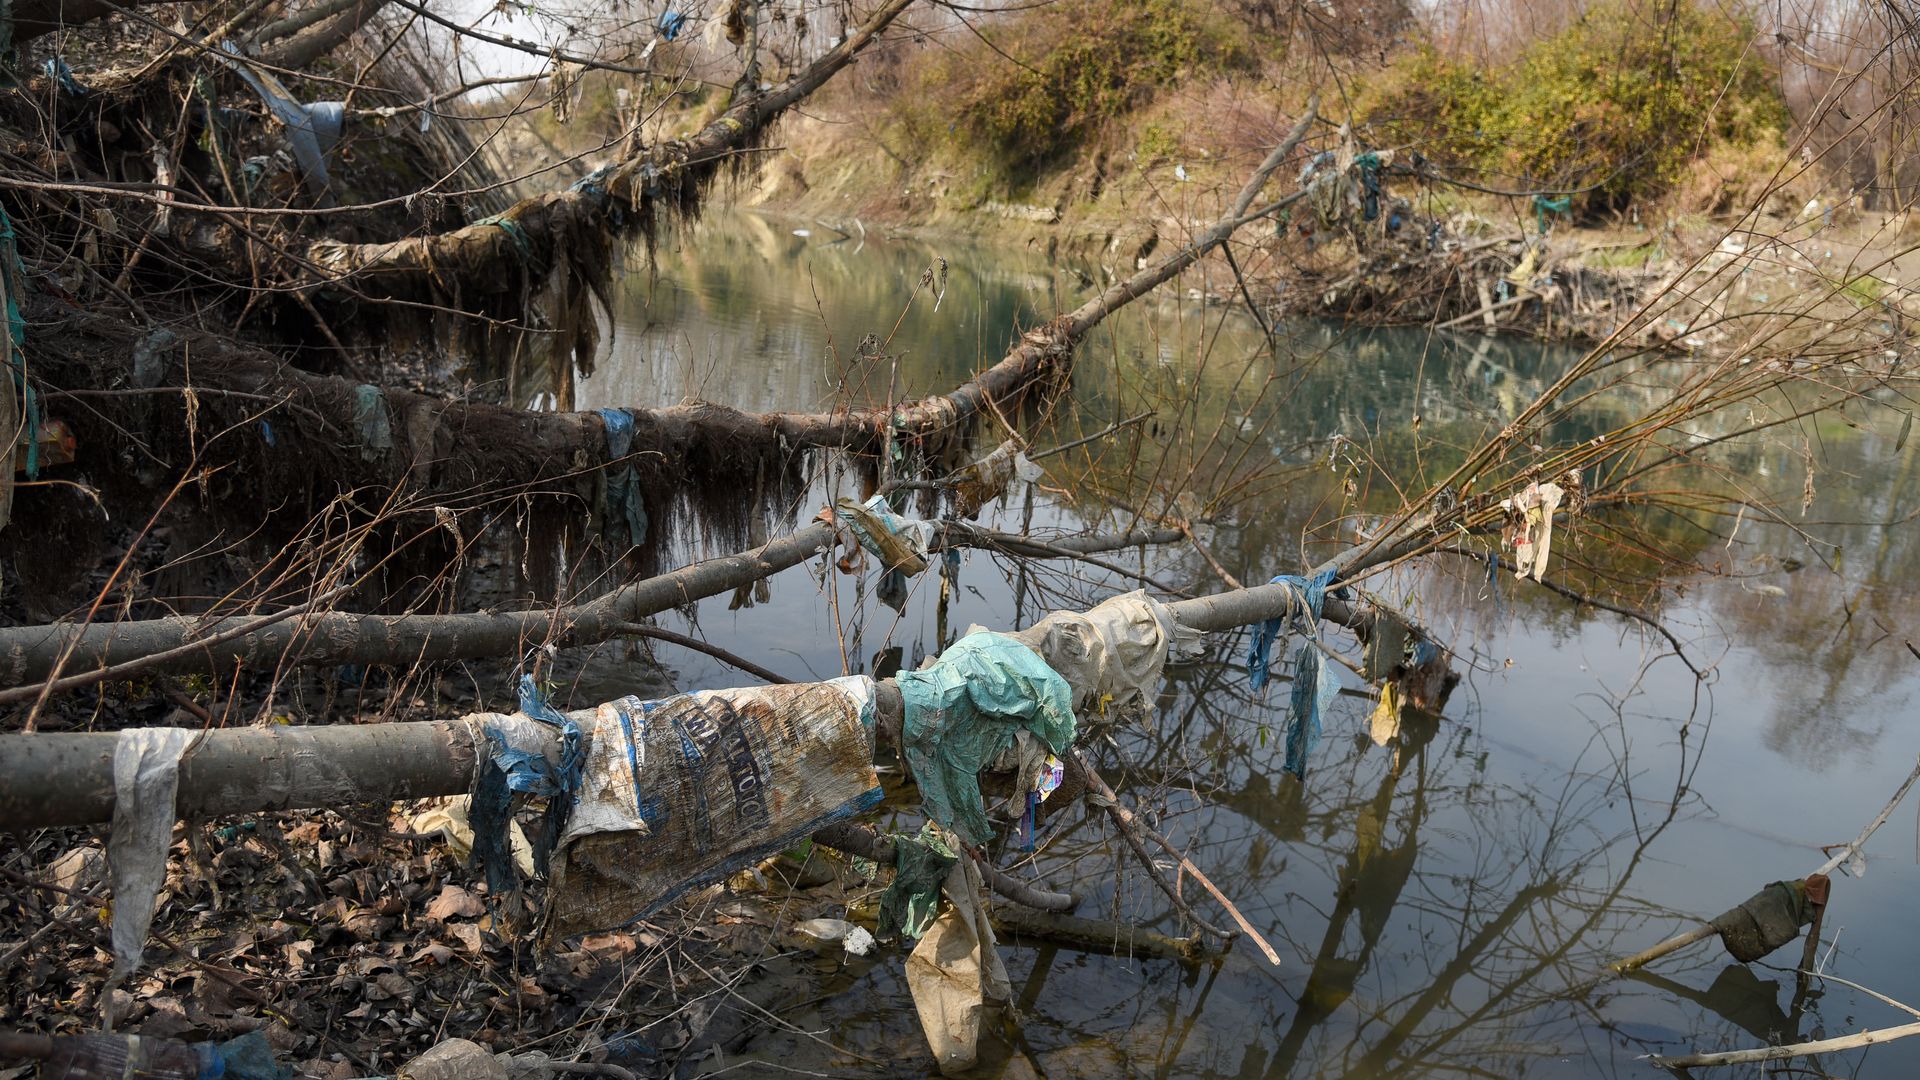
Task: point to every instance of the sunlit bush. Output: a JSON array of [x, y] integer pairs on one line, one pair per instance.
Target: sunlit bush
[[1067, 70], [1616, 107]]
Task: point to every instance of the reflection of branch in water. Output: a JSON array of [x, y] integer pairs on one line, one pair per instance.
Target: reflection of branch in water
[[1546, 921], [1737, 995], [1679, 650], [1370, 883]]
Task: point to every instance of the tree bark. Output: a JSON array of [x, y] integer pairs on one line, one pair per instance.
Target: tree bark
[[316, 42]]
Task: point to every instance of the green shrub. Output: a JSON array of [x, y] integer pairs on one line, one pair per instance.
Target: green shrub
[[1621, 102], [1081, 64]]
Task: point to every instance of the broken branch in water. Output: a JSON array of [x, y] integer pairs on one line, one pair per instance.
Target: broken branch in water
[[1701, 933], [1793, 1050], [1098, 935], [1130, 825], [687, 642], [869, 844]]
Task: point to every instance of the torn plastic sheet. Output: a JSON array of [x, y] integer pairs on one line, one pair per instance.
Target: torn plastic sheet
[[625, 505], [312, 130], [449, 817], [1314, 685], [684, 791], [963, 710], [1427, 678], [901, 543], [1384, 725], [150, 357], [1386, 645], [1050, 777], [974, 485], [146, 776], [371, 419], [556, 782], [892, 590], [955, 974], [1530, 528], [515, 745], [1114, 655], [536, 752], [57, 69], [912, 899]]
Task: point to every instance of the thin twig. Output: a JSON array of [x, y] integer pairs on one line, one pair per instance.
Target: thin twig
[[1129, 822], [1879, 819], [715, 651]]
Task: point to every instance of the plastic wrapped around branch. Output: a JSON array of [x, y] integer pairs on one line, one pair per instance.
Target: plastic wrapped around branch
[[1112, 655], [1764, 921], [681, 792]]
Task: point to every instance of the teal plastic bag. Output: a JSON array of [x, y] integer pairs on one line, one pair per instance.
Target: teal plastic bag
[[965, 709]]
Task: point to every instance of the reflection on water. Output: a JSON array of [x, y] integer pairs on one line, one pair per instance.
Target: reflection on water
[[1441, 906]]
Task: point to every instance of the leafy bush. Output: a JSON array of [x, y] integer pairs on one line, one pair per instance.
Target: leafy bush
[[1622, 102], [1079, 64]]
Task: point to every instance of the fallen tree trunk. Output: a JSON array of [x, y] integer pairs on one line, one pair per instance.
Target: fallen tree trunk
[[32, 18], [29, 653], [67, 779], [313, 42]]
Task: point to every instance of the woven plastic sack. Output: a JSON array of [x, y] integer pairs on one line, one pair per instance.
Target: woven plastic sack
[[682, 792]]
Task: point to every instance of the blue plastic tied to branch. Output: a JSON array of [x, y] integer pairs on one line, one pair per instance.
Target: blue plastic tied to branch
[[1314, 680], [670, 24], [514, 233], [1314, 687], [1542, 206], [1312, 596], [58, 70], [1424, 652], [312, 130], [595, 182], [965, 709], [1368, 165], [545, 779], [517, 763], [625, 504]]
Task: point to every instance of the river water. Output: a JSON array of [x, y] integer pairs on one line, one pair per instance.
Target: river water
[[1439, 907]]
